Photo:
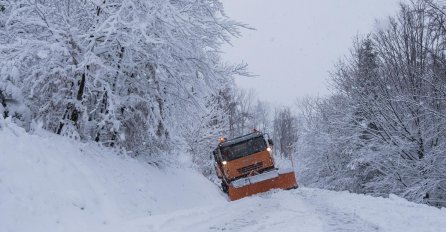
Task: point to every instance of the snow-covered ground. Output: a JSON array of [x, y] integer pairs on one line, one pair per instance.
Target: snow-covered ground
[[50, 183]]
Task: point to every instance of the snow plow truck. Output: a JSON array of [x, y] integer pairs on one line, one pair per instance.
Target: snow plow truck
[[245, 166]]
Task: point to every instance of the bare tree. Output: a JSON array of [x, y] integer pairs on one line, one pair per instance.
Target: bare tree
[[285, 131]]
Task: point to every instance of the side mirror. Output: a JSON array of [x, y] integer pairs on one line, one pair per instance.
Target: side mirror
[[270, 142]]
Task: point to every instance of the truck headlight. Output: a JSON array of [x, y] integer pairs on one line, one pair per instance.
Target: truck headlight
[[268, 149], [224, 162]]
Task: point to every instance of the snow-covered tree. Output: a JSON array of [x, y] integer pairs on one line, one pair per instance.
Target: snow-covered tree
[[392, 94], [114, 71]]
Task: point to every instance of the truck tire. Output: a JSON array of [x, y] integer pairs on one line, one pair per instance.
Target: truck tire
[[224, 187]]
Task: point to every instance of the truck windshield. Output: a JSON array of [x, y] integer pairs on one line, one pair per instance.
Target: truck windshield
[[244, 148]]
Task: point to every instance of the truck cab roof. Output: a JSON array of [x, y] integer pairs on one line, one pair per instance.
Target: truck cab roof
[[241, 139]]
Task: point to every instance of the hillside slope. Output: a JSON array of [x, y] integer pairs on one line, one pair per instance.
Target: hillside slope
[[51, 183]]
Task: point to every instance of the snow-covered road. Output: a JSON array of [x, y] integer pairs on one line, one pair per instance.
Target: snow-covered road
[[297, 210], [274, 211], [49, 183]]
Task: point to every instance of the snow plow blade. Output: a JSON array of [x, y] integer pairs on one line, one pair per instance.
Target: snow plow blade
[[261, 183]]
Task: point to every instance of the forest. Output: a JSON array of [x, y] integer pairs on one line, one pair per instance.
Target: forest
[[146, 77], [383, 128]]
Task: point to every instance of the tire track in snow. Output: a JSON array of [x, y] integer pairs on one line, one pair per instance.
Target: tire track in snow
[[272, 211], [335, 220]]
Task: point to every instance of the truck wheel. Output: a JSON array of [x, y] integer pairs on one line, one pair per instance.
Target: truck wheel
[[224, 187]]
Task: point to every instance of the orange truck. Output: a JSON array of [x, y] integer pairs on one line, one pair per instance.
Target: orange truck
[[246, 166]]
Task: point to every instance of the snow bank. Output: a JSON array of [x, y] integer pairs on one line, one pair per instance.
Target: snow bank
[[52, 183]]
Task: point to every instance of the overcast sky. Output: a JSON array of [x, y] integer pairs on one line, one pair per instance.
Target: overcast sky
[[296, 42]]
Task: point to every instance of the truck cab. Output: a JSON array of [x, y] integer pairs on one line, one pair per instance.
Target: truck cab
[[246, 166], [243, 156]]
